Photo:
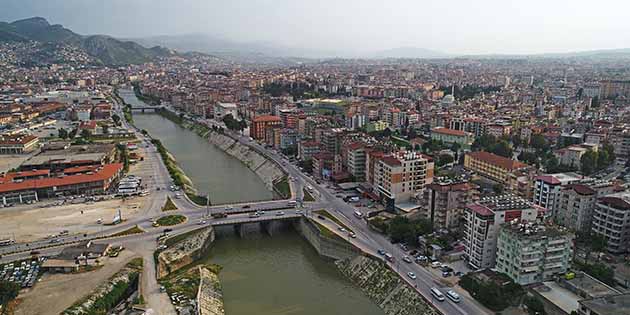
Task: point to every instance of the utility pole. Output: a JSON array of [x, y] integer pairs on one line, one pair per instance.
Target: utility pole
[[207, 205]]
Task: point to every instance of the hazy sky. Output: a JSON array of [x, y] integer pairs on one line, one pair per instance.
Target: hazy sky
[[454, 26]]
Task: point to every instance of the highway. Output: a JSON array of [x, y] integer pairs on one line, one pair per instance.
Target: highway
[[367, 240]]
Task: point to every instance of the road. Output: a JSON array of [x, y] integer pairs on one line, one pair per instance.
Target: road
[[367, 240]]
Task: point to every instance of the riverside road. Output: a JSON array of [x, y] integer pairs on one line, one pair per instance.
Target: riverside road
[[367, 240]]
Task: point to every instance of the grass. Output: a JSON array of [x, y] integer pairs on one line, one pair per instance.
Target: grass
[[332, 218], [307, 195], [170, 220], [283, 188], [134, 230], [169, 205]]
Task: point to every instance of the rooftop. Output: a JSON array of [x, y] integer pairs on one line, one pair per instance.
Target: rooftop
[[497, 160], [610, 305]]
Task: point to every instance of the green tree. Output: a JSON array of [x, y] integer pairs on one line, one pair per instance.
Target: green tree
[[503, 149], [105, 129], [444, 159], [589, 162], [73, 133], [86, 134], [538, 142], [63, 133], [8, 291], [401, 229]]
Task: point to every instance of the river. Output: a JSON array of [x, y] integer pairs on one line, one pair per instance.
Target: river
[[282, 274], [211, 170]]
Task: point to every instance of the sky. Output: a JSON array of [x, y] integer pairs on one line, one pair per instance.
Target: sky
[[454, 26]]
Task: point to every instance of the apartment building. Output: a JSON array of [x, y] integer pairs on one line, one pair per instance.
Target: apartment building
[[260, 125], [482, 222], [530, 253], [306, 149], [223, 109], [547, 187], [614, 88], [445, 202], [402, 176], [611, 219], [357, 157]]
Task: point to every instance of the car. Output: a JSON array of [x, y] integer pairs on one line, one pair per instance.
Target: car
[[168, 230], [321, 217], [436, 264], [411, 275], [281, 213], [459, 274], [407, 259], [341, 229], [352, 235], [381, 252], [298, 211], [202, 222], [446, 274], [246, 206], [453, 296]]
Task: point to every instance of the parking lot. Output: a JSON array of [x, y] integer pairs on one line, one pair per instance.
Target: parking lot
[[25, 272]]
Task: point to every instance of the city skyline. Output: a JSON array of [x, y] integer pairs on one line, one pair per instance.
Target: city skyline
[[351, 28]]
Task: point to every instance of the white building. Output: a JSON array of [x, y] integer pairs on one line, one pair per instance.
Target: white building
[[223, 109], [547, 187], [530, 253]]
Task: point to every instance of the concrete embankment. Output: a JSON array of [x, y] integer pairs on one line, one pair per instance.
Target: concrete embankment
[[184, 252], [383, 286], [326, 243], [209, 295], [266, 169]]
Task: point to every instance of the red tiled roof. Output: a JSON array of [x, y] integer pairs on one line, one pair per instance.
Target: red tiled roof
[[479, 209], [390, 160], [581, 189], [107, 172], [266, 118], [548, 179], [615, 202], [497, 160], [17, 139], [451, 132]]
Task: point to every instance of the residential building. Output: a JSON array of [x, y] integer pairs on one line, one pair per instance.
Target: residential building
[[402, 176], [482, 221], [613, 88], [445, 202], [357, 157], [530, 253], [547, 187], [260, 125], [618, 304], [611, 219], [223, 109], [306, 149]]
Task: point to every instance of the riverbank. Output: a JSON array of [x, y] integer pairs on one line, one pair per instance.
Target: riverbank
[[267, 170]]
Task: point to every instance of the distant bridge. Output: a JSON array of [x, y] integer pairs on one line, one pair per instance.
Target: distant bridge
[[145, 108]]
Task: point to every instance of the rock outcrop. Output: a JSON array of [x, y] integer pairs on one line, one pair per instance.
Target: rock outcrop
[[383, 286], [185, 251]]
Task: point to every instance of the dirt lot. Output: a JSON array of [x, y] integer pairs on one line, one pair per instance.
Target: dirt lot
[[8, 162], [31, 222], [55, 292], [35, 221]]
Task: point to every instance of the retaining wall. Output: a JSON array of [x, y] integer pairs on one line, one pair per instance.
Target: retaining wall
[[184, 252]]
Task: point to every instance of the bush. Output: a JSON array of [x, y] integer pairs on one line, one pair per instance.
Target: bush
[[490, 294], [8, 291], [171, 220]]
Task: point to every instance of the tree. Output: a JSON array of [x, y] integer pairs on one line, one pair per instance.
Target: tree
[[105, 129], [63, 133], [589, 162], [8, 291], [73, 133], [116, 119], [503, 149], [538, 142], [401, 229], [444, 159], [86, 134]]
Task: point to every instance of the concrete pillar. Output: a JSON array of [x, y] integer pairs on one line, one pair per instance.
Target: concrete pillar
[[36, 198], [20, 195]]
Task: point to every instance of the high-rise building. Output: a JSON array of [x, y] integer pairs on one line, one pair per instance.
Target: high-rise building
[[261, 123], [402, 176], [445, 202], [357, 156], [482, 221], [611, 220], [614, 88], [547, 187], [529, 252]]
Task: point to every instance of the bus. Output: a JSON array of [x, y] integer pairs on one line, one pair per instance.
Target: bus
[[7, 242], [437, 294]]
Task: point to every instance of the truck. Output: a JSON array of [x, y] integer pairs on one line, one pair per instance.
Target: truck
[[219, 215]]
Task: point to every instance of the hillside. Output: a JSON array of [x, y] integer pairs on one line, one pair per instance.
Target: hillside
[[107, 50]]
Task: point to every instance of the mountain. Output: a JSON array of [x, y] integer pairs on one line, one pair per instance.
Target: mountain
[[106, 49], [409, 53]]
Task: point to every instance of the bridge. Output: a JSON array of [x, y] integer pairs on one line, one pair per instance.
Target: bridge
[[268, 222], [145, 108]]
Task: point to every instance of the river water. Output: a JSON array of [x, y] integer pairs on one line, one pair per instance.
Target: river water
[[282, 274], [211, 170], [262, 275]]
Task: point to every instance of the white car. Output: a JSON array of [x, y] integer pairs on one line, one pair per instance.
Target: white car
[[411, 275]]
